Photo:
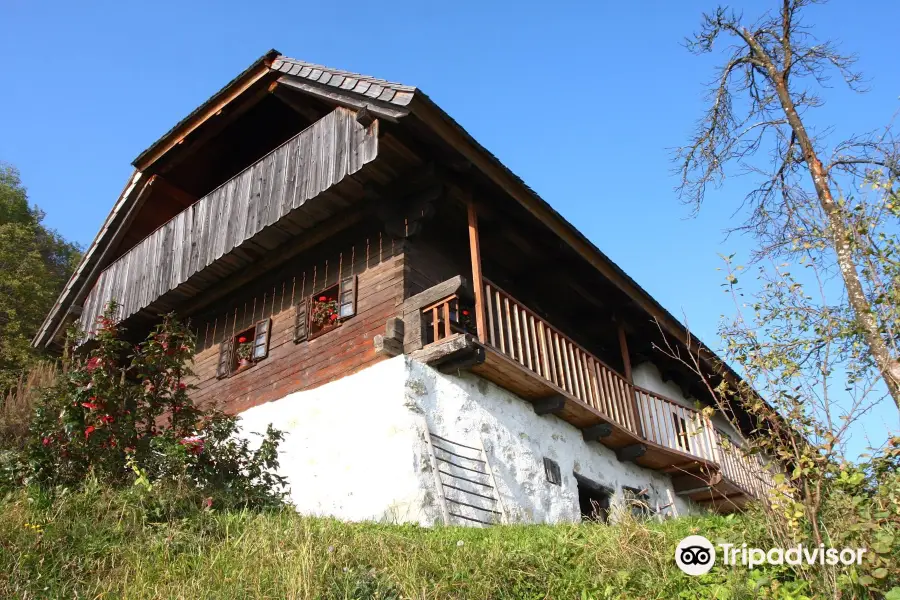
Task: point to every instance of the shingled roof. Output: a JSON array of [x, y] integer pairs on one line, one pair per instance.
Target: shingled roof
[[370, 87]]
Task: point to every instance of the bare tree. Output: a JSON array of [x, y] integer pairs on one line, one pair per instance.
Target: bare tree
[[760, 103]]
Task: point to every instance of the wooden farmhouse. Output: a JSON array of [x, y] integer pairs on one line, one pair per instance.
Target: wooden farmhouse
[[438, 344]]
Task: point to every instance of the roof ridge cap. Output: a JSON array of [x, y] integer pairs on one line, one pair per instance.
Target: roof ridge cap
[[303, 63]]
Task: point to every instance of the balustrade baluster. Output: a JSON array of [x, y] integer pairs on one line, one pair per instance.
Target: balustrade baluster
[[490, 314]]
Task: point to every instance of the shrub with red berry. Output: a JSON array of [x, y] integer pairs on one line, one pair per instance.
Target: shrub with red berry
[[123, 412]]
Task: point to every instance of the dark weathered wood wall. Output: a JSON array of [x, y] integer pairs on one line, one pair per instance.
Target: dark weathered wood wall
[[266, 192], [350, 252], [294, 367], [432, 258]]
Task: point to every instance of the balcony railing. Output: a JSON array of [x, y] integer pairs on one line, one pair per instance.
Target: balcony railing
[[748, 471], [677, 427], [519, 334], [531, 341]]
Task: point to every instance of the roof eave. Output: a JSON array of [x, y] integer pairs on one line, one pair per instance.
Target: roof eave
[[199, 115], [448, 129]]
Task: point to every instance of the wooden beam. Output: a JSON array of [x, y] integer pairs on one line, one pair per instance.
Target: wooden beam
[[391, 342], [477, 281], [382, 110], [623, 346], [164, 187], [364, 117], [198, 139], [551, 405], [213, 108], [291, 99], [630, 453], [386, 346], [463, 361], [626, 362], [597, 431]]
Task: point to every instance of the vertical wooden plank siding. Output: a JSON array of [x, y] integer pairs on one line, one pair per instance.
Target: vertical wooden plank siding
[[328, 151]]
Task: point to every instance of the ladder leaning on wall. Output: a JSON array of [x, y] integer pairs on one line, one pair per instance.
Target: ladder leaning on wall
[[466, 487]]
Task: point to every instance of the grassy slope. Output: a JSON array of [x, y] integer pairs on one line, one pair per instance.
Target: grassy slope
[[92, 545]]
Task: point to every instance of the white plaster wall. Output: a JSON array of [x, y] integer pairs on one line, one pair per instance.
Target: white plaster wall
[[352, 448], [463, 407], [647, 375], [355, 448]]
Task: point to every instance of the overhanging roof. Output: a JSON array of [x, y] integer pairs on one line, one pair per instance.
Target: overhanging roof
[[388, 100]]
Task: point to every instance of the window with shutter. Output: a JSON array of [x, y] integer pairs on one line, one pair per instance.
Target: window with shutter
[[301, 323], [261, 339], [551, 470], [347, 297], [225, 358], [328, 309]]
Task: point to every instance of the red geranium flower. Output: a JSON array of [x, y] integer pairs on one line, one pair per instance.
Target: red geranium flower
[[90, 405], [88, 431], [465, 313], [93, 363], [333, 317], [182, 386], [107, 419], [242, 340], [323, 298], [193, 444], [46, 441]]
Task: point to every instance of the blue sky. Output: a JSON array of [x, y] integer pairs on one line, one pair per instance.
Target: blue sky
[[582, 100]]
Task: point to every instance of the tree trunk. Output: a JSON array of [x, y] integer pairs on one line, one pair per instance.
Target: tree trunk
[[840, 241]]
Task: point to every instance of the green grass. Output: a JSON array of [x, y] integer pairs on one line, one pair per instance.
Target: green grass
[[98, 544]]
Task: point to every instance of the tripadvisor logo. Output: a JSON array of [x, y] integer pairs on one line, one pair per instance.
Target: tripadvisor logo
[[696, 555]]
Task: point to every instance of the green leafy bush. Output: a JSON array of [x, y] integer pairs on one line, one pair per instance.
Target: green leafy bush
[[123, 415]]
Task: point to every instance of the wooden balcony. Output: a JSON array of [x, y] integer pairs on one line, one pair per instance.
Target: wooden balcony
[[285, 193], [525, 354]]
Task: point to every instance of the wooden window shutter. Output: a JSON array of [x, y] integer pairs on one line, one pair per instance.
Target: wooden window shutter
[[347, 297], [225, 358], [261, 339], [301, 322]]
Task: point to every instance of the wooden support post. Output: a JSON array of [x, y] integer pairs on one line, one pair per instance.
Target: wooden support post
[[623, 346], [626, 361], [477, 281]]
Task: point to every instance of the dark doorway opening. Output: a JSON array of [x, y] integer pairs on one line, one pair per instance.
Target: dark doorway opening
[[593, 500]]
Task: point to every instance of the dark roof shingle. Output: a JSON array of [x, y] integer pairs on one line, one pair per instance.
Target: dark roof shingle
[[372, 87]]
